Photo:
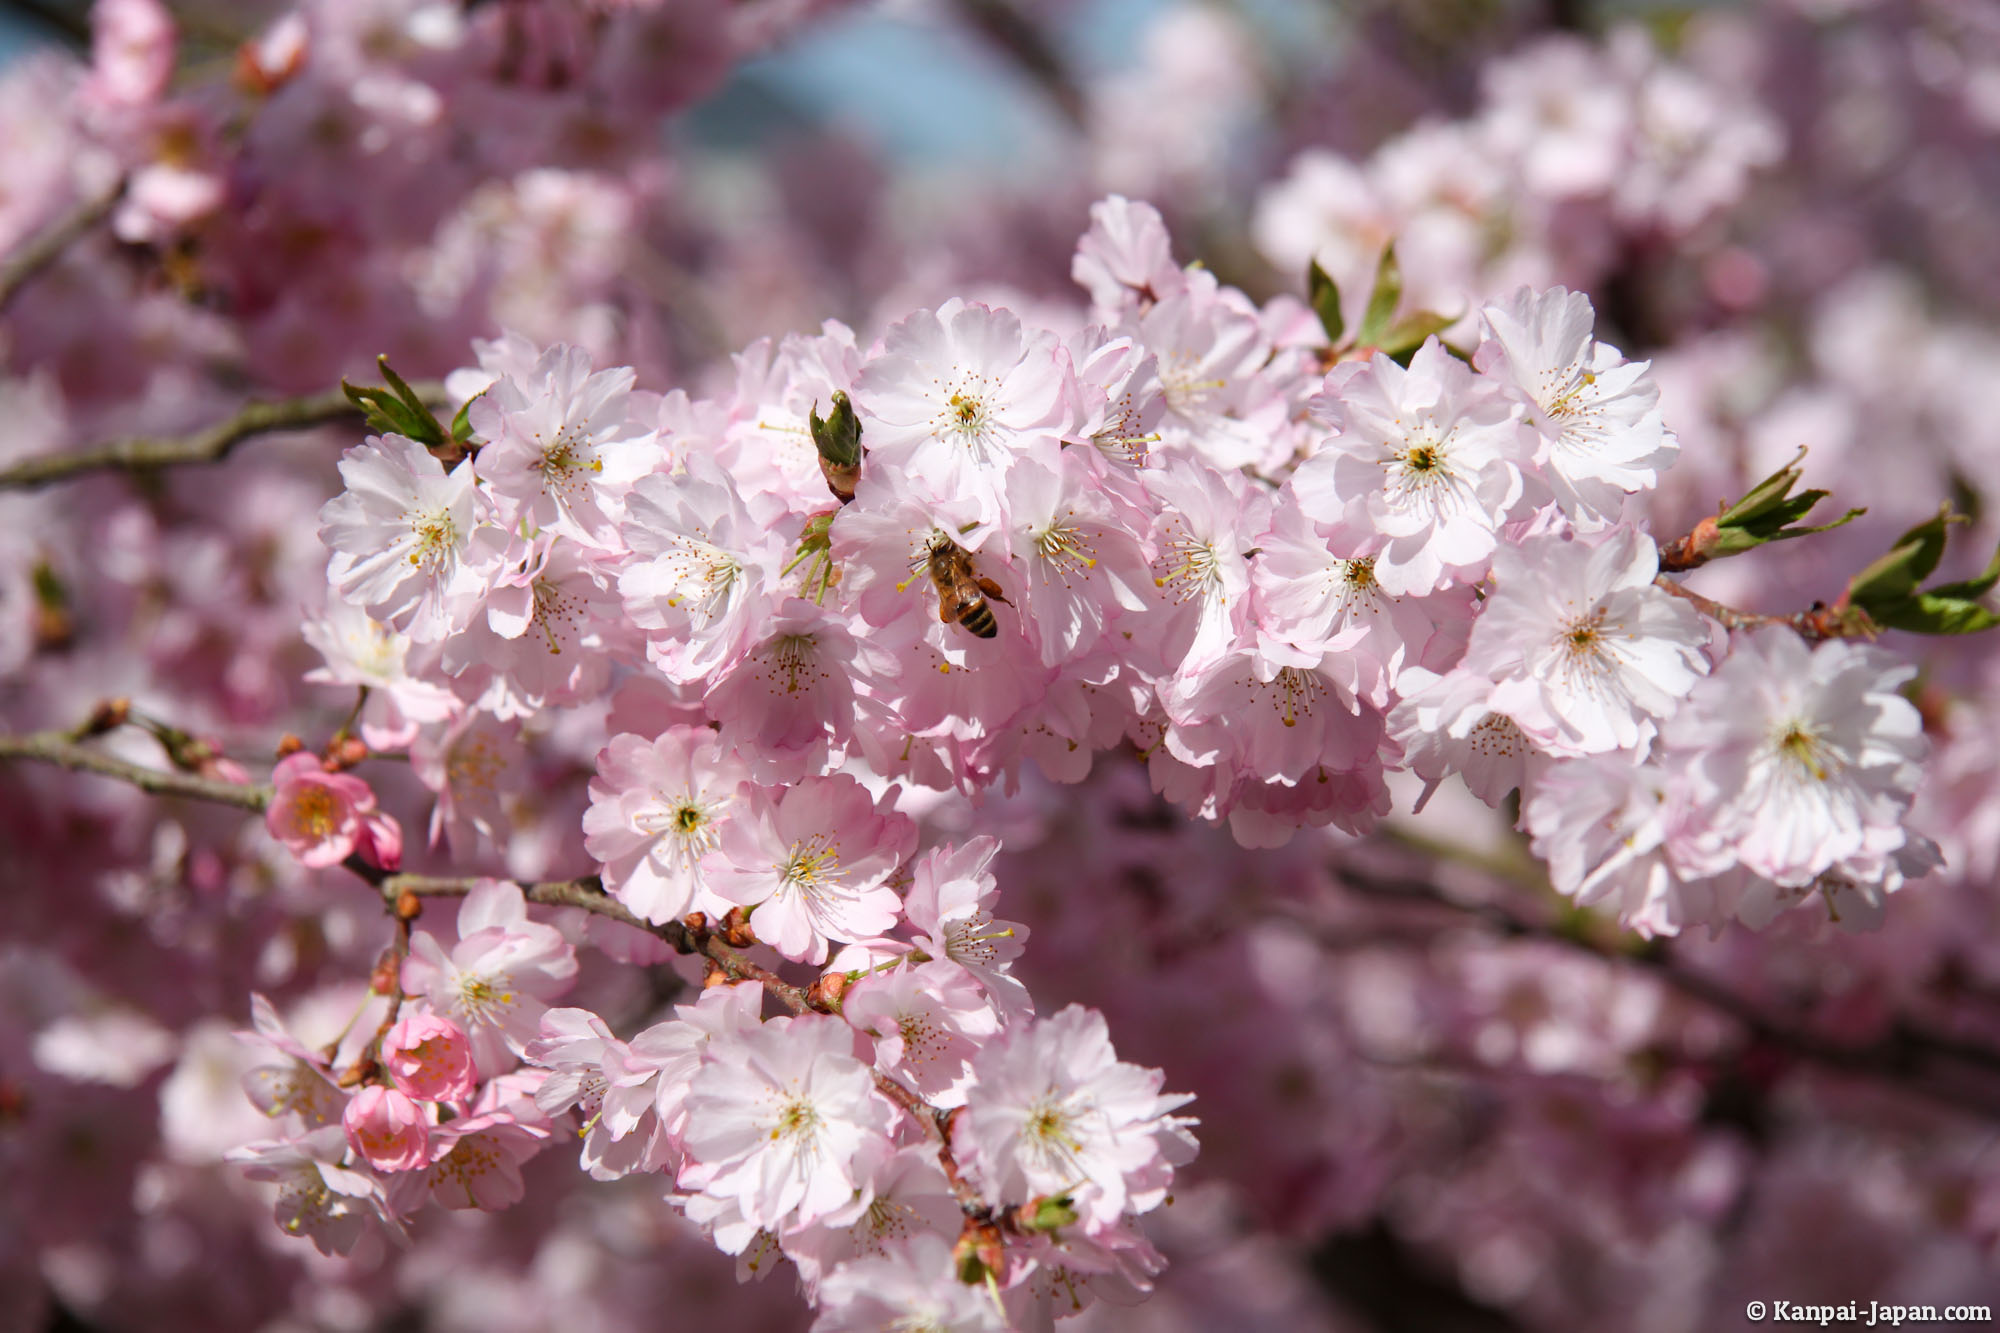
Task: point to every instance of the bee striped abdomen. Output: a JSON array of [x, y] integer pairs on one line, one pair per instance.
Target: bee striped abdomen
[[978, 617]]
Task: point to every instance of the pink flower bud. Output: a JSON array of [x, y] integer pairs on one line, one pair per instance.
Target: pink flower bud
[[322, 816], [380, 841], [430, 1057], [388, 1129]]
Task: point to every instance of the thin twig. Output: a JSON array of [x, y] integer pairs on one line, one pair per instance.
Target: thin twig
[[587, 893], [1819, 621], [47, 245], [210, 445], [53, 747]]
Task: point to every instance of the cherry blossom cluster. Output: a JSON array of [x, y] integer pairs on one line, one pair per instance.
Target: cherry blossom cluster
[[1402, 1053], [1576, 149], [1277, 569], [1276, 564], [854, 1143]]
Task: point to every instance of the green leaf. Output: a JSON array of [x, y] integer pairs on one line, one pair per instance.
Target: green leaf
[[1383, 300], [1323, 294], [426, 429], [1888, 589], [1049, 1214], [1895, 576], [1734, 540], [838, 435], [396, 410], [1759, 499], [1927, 613], [1407, 334], [461, 425], [1969, 589]]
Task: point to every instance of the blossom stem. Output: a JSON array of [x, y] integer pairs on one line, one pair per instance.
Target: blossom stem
[[937, 1127], [53, 747], [1817, 622], [46, 246], [587, 892], [210, 445]]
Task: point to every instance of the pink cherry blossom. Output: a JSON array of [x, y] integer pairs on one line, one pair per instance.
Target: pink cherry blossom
[[1052, 1111], [657, 809], [331, 1205], [399, 535], [560, 445], [497, 980], [323, 818], [1426, 456], [388, 1129], [812, 864], [955, 396], [927, 1022], [1596, 415], [1798, 759], [950, 905], [1583, 649], [911, 1285], [430, 1058], [783, 1121]]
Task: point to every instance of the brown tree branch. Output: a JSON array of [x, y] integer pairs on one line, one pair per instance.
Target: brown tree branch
[[54, 747], [46, 246], [210, 445], [587, 893], [1817, 622]]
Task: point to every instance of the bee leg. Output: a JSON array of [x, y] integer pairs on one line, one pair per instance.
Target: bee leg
[[992, 590]]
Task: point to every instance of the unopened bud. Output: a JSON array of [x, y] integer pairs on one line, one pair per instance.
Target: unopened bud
[[697, 923], [387, 968], [107, 716], [408, 906], [736, 929], [289, 745], [837, 437], [1046, 1213], [979, 1253], [349, 751], [824, 994], [712, 975], [1693, 550]]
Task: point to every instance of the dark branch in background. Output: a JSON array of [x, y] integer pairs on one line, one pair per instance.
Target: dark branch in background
[[1897, 1058], [1377, 1278], [1023, 41], [47, 245], [1572, 16], [68, 22], [204, 446]]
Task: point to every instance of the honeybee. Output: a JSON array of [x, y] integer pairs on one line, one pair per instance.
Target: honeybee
[[962, 594]]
